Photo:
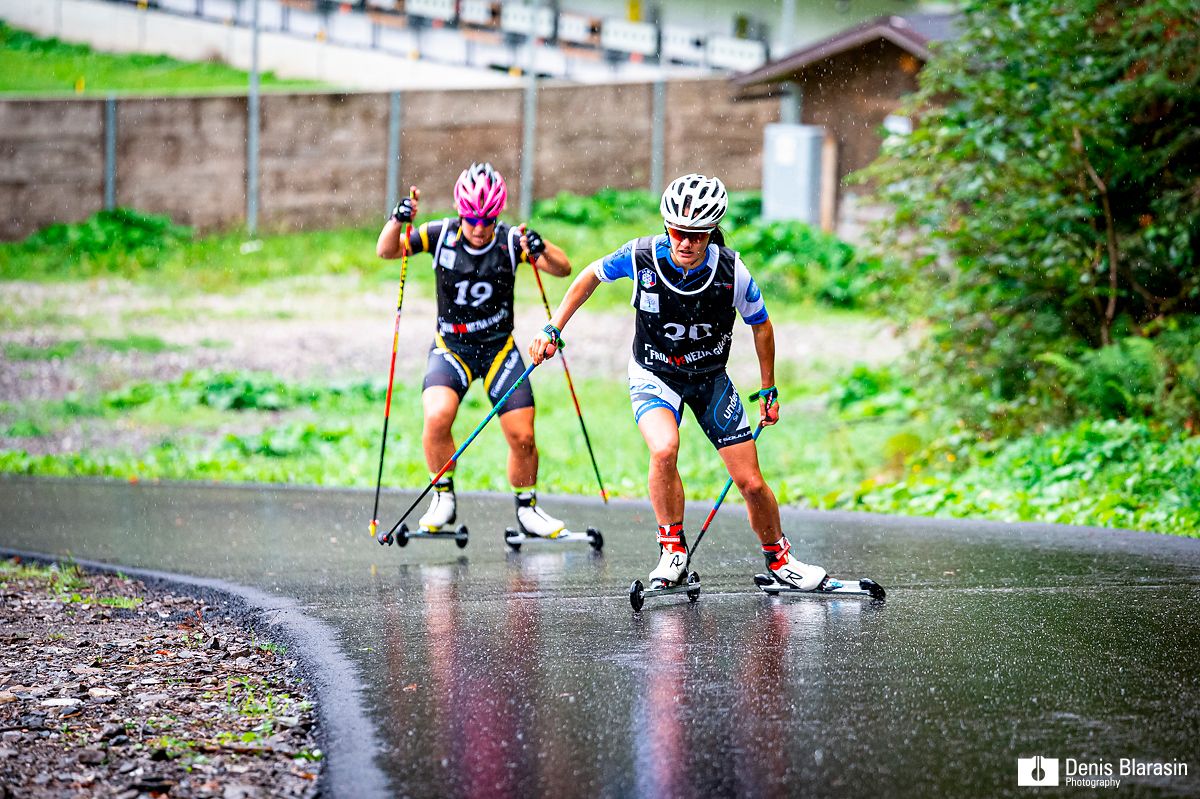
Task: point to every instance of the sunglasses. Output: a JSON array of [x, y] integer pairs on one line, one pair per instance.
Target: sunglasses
[[480, 221], [688, 235]]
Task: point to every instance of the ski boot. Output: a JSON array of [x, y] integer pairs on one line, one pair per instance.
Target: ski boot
[[790, 572], [438, 521], [787, 575], [534, 524], [671, 575], [443, 508]]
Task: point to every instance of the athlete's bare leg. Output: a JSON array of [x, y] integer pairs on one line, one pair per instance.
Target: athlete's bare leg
[[440, 404], [742, 462], [522, 449], [661, 433]]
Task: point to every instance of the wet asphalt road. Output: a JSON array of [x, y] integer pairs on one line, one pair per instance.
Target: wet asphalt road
[[489, 673]]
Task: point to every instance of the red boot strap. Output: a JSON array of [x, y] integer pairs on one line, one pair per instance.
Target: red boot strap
[[671, 536], [778, 552]]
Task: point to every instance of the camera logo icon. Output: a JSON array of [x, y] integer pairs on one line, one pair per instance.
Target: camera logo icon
[[1038, 771]]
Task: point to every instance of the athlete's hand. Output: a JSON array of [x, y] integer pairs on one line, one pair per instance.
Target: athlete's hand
[[406, 210], [769, 414], [532, 243], [545, 344]]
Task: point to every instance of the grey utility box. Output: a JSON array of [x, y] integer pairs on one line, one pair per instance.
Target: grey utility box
[[791, 182]]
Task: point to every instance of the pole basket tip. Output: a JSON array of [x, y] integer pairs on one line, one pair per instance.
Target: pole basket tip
[[374, 526]]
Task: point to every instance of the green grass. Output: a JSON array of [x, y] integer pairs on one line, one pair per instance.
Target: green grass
[[66, 348], [35, 66], [331, 437]]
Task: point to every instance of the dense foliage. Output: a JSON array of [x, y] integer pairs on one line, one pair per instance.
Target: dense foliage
[[1047, 211], [791, 261]]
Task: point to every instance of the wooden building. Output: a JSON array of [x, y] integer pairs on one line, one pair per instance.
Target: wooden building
[[852, 82]]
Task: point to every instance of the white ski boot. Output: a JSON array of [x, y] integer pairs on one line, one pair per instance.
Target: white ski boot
[[534, 522], [672, 557], [442, 509], [789, 571]]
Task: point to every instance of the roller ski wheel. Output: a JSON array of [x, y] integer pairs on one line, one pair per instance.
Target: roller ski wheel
[[689, 586], [460, 535], [388, 537], [514, 538], [637, 595], [830, 586]]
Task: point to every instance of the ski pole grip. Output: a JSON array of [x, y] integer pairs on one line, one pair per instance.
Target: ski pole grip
[[555, 336], [768, 395]]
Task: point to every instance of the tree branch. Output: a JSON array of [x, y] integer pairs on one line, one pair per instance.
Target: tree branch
[[1110, 311]]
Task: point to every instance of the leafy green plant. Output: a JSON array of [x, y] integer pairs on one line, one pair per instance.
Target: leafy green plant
[[106, 230], [1106, 473], [795, 262], [121, 602]]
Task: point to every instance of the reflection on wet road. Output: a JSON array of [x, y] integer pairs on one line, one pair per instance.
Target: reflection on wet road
[[491, 673]]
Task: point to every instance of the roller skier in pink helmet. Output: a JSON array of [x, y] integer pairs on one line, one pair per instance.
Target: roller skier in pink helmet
[[475, 260]]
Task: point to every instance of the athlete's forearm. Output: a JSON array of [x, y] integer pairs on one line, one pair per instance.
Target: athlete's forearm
[[764, 345], [388, 245], [554, 261], [581, 288]]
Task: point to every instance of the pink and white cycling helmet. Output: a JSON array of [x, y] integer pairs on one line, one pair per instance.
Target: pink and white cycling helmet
[[480, 192]]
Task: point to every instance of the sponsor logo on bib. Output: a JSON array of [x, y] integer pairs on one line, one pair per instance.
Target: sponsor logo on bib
[[648, 302], [647, 279]]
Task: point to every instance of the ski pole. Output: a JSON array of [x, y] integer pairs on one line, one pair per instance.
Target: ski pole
[[728, 484], [454, 458], [387, 405], [537, 273]]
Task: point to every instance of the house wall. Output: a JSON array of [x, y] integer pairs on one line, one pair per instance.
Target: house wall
[[852, 93]]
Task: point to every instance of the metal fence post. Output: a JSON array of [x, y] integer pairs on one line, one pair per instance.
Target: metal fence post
[[658, 136], [110, 153], [252, 133], [395, 120], [791, 102], [528, 147]]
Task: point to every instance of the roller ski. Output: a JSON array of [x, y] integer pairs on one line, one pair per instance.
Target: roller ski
[[787, 575], [535, 525], [671, 575], [862, 587], [438, 521]]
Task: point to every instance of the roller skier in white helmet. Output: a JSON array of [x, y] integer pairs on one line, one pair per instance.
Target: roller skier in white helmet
[[688, 288]]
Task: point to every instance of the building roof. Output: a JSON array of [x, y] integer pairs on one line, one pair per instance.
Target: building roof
[[912, 33]]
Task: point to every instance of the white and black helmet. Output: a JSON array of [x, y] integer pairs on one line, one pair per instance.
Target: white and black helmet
[[694, 203]]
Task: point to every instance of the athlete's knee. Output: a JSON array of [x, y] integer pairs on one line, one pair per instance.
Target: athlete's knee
[[521, 441], [753, 487], [438, 421], [664, 454]]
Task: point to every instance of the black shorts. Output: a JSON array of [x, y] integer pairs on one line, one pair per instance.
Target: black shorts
[[498, 366], [714, 402]]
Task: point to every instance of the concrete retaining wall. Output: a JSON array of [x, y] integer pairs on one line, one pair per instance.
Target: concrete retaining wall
[[324, 156]]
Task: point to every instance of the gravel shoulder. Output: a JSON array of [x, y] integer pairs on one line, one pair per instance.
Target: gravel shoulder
[[110, 687]]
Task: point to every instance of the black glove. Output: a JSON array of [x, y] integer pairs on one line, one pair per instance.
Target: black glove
[[403, 212], [536, 245]]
